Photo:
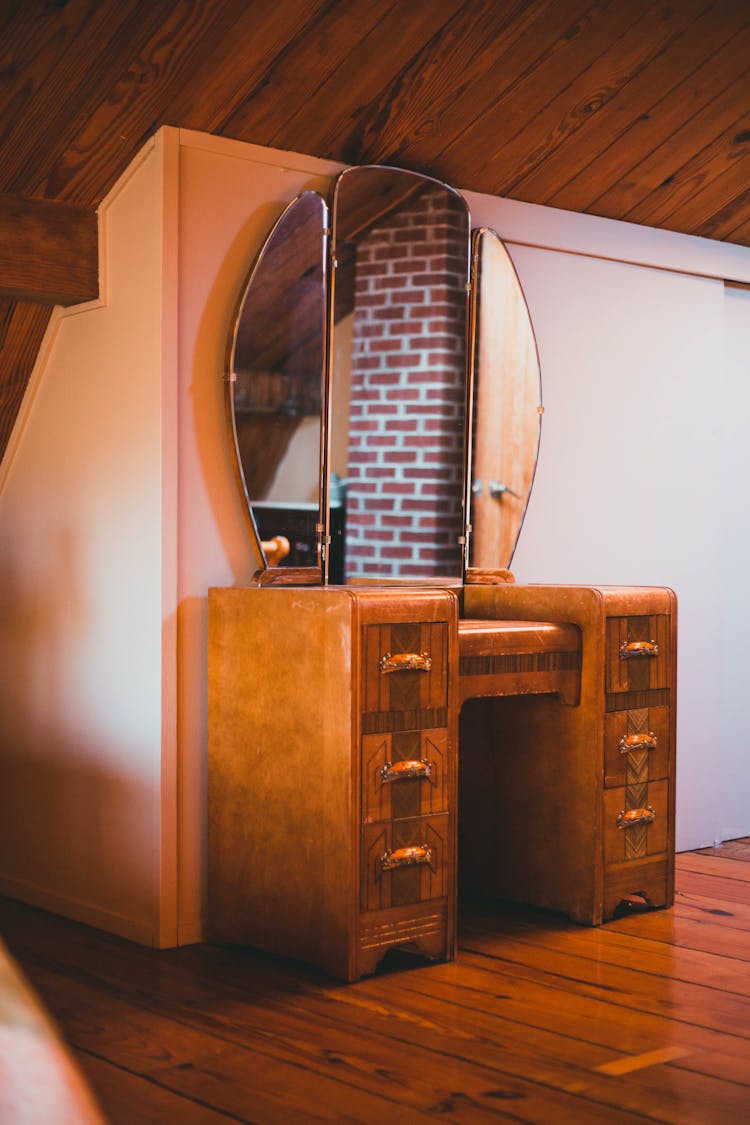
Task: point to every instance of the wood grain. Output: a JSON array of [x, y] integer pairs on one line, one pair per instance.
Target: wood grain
[[48, 251], [22, 328]]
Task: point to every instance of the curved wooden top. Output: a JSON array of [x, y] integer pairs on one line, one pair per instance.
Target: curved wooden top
[[479, 637]]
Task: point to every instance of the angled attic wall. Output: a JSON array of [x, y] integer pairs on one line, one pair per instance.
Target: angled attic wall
[[87, 557]]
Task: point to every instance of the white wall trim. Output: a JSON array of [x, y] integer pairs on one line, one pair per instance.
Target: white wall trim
[[548, 228], [166, 794], [530, 224], [258, 154], [133, 929]]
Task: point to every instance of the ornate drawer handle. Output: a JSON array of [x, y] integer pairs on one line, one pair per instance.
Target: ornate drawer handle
[[406, 662], [635, 816], [632, 650], [637, 742], [400, 771], [405, 857]]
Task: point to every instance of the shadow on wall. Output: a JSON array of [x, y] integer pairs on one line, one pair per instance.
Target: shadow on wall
[[76, 830], [67, 836]]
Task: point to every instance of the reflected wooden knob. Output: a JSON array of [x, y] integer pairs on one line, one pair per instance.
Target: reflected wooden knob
[[275, 549]]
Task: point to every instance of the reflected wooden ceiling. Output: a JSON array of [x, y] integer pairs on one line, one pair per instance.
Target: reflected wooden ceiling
[[625, 108]]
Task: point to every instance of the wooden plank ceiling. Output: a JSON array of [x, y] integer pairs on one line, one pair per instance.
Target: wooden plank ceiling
[[633, 109]]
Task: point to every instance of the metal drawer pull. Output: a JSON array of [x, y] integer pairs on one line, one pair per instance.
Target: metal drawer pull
[[632, 650], [405, 857], [633, 817], [400, 771], [406, 662], [637, 742]]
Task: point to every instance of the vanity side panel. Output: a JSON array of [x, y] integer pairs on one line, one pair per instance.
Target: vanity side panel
[[281, 775]]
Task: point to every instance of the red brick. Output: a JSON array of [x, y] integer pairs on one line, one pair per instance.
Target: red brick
[[384, 379], [415, 234], [447, 343], [417, 505], [404, 327], [390, 345], [403, 360], [409, 265]]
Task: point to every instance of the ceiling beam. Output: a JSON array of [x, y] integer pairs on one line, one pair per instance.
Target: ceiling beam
[[48, 251]]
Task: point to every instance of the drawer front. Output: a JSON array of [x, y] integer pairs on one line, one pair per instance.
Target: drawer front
[[405, 666], [638, 656], [636, 822], [405, 861], [404, 774], [636, 746]]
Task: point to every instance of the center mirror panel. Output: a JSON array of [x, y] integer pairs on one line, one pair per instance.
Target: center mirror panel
[[397, 403]]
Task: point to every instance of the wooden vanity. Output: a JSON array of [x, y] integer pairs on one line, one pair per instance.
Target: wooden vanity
[[368, 744], [395, 723]]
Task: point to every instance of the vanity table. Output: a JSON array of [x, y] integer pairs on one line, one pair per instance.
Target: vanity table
[[426, 728]]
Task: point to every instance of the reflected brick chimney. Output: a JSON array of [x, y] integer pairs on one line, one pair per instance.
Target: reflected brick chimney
[[407, 394]]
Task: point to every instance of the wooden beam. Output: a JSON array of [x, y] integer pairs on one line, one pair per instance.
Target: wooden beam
[[48, 251]]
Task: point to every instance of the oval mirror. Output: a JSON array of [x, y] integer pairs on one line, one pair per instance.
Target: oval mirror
[[275, 390], [506, 406], [398, 376]]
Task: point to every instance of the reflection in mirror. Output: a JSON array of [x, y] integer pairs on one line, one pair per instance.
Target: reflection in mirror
[[276, 364], [398, 384], [506, 407]]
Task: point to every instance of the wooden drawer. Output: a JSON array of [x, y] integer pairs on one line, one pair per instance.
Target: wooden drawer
[[405, 861], [404, 774], [636, 746], [638, 656], [632, 839], [405, 666]]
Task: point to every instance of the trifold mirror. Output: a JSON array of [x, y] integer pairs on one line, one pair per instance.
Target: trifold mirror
[[383, 389]]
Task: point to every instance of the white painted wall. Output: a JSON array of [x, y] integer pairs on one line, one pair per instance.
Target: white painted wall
[[119, 510], [726, 747], [85, 576], [630, 467], [643, 456]]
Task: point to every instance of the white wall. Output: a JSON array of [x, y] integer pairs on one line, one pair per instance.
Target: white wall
[[630, 467], [726, 746], [119, 509], [84, 573]]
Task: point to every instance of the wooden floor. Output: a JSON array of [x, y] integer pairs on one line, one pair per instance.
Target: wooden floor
[[539, 1020]]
